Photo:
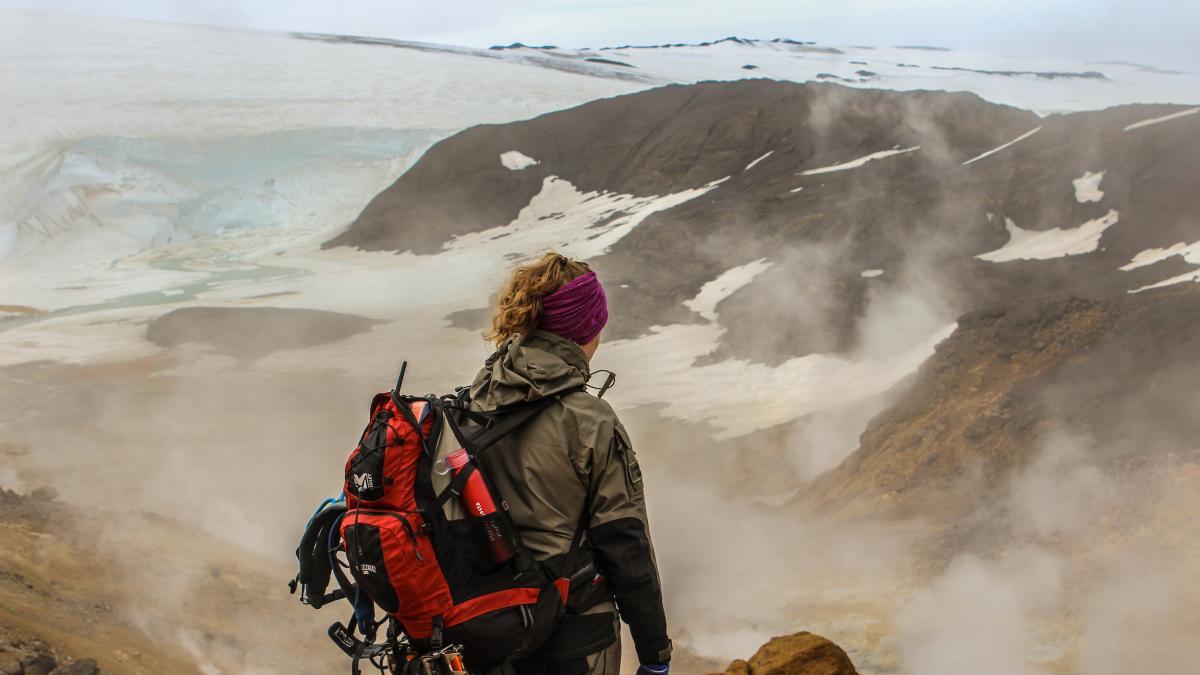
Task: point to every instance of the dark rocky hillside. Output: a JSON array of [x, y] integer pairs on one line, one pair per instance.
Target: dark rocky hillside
[[1047, 342], [920, 216]]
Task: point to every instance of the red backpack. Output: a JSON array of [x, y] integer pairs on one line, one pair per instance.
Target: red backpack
[[442, 591]]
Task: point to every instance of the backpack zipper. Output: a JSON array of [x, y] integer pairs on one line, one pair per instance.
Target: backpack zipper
[[408, 528]]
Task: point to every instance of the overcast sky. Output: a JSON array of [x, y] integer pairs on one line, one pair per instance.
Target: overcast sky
[[1158, 32]]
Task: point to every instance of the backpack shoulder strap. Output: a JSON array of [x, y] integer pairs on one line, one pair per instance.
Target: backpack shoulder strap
[[313, 556], [505, 422]]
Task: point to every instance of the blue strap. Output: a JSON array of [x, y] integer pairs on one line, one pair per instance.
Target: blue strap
[[328, 500]]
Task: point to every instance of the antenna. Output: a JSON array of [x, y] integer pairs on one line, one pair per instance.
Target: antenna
[[400, 380]]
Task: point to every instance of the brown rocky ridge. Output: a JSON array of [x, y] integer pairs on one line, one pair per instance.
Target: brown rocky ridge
[[798, 654]]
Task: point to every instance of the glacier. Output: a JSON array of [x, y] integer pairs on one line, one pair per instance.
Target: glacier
[[109, 197]]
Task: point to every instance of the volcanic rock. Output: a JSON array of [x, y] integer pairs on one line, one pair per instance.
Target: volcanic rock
[[39, 664], [799, 654]]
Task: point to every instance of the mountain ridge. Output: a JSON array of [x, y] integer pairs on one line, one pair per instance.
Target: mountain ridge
[[798, 187]]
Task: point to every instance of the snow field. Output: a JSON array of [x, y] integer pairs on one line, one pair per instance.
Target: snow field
[[209, 85], [1011, 80]]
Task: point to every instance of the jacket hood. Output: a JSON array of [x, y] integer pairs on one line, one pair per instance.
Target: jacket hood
[[527, 368]]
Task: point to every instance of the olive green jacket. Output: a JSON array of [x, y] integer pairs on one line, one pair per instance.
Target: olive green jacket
[[573, 464]]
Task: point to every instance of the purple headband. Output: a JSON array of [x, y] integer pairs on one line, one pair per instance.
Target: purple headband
[[578, 310]]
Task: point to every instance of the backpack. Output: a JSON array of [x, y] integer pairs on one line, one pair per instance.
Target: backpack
[[389, 544]]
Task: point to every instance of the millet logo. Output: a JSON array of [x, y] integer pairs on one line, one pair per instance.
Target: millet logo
[[363, 481]]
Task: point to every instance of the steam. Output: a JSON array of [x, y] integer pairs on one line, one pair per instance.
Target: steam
[[1072, 554], [1141, 616], [736, 573], [974, 619], [9, 479]]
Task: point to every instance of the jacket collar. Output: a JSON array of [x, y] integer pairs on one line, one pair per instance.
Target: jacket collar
[[527, 368]]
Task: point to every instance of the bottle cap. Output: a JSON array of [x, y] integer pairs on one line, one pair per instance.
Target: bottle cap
[[457, 459]]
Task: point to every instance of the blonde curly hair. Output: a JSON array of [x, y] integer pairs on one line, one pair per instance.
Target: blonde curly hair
[[517, 307]]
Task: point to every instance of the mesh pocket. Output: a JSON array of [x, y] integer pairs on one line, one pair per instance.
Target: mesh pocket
[[364, 472]]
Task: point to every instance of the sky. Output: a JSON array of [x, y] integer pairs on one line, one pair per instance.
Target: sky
[[1156, 32]]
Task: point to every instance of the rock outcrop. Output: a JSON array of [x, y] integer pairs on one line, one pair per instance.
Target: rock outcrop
[[1115, 371], [21, 654], [799, 654]]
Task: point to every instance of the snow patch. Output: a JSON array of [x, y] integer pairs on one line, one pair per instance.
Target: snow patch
[[516, 161], [1186, 276], [855, 163], [738, 397], [1190, 253], [713, 292], [751, 164], [1164, 118], [993, 151], [561, 216], [1087, 187], [871, 274], [796, 189], [1047, 244]]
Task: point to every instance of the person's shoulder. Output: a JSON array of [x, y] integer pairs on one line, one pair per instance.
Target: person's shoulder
[[594, 418], [582, 402]]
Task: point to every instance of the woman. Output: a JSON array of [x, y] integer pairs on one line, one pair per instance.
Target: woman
[[572, 466]]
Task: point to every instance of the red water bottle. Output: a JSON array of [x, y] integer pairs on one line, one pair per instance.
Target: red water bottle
[[478, 502]]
